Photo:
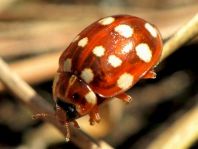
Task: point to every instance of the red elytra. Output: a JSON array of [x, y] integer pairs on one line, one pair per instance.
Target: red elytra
[[103, 61]]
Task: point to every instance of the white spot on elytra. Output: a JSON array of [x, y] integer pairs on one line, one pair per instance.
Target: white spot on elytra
[[114, 60], [143, 52], [107, 21], [124, 30], [83, 42], [91, 98], [87, 75], [151, 29], [127, 48], [99, 51], [67, 65], [125, 81], [76, 38]]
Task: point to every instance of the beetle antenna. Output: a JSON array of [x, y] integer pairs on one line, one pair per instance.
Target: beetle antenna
[[75, 124], [40, 116]]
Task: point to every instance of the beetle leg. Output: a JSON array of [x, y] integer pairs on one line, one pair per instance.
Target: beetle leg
[[94, 116], [75, 124], [60, 115], [124, 97], [150, 75]]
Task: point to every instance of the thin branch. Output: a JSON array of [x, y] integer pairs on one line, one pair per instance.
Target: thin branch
[[38, 105], [36, 69], [186, 33], [181, 134]]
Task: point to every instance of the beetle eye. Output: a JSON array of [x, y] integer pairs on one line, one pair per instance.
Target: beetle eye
[[71, 112], [76, 96], [70, 109]]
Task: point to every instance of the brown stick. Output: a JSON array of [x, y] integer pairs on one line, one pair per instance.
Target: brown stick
[[186, 33], [38, 105], [37, 69], [181, 134]]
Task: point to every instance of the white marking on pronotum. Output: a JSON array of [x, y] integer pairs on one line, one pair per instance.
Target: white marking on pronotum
[[91, 98], [124, 30], [151, 29], [106, 21], [87, 75], [83, 42], [76, 38], [99, 51], [56, 79], [127, 48], [67, 65], [143, 52], [125, 81], [72, 80], [114, 61]]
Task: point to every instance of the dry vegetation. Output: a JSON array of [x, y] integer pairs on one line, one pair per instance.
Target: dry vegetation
[[164, 113]]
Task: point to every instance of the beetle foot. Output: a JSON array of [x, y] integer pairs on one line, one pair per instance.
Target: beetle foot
[[124, 97], [94, 116], [150, 75], [75, 124]]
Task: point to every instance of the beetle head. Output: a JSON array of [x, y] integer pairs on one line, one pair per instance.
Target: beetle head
[[73, 96]]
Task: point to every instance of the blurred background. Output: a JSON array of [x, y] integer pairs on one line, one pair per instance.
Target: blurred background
[[33, 33]]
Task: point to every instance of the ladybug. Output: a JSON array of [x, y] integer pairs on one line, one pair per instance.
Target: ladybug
[[106, 59]]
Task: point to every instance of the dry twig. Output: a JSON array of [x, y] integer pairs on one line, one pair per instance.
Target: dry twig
[[38, 105], [181, 134], [186, 33], [37, 69]]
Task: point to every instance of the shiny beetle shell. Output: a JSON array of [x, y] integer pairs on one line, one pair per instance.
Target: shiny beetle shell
[[113, 53]]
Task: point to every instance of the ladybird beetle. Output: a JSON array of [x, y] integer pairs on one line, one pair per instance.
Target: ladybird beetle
[[106, 59]]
